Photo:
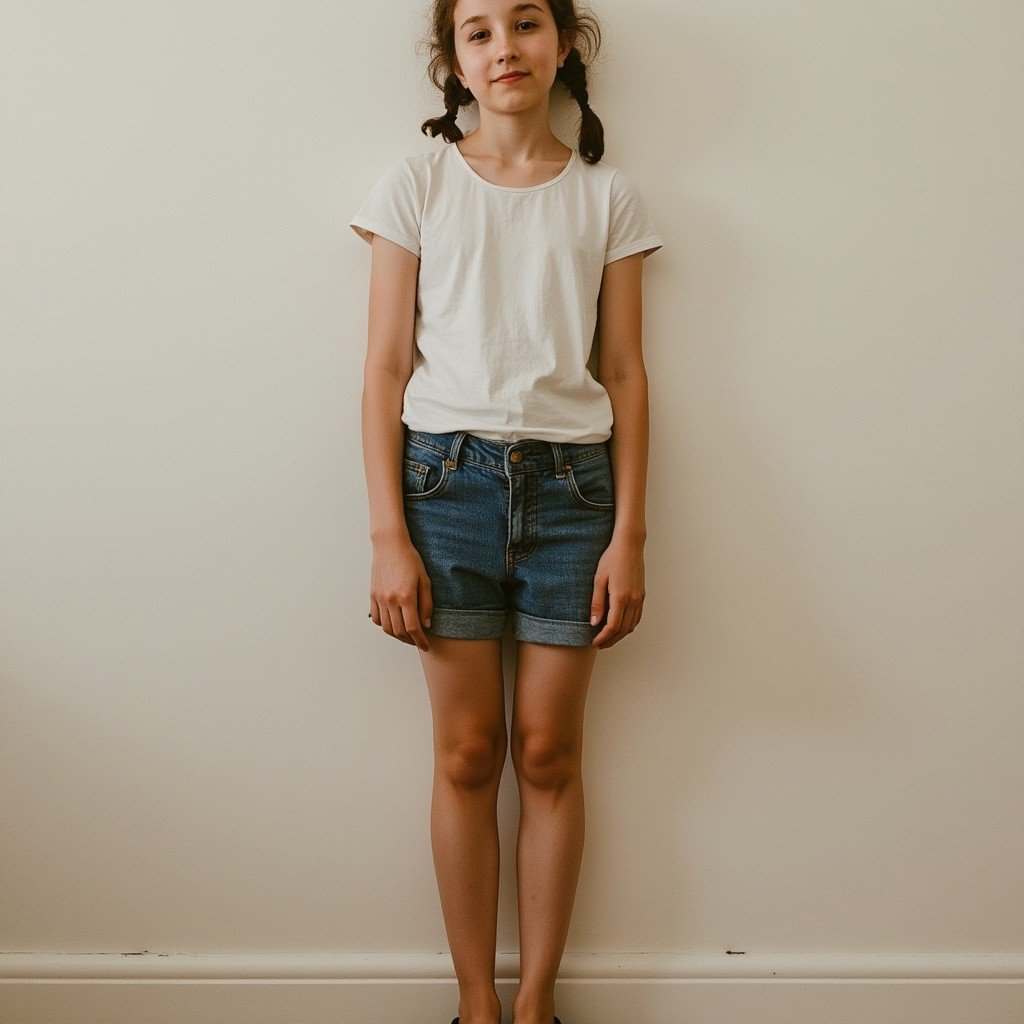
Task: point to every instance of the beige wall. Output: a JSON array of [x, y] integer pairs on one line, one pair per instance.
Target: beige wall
[[813, 742]]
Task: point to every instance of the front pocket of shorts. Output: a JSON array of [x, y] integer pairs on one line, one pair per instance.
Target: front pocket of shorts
[[591, 483], [424, 476]]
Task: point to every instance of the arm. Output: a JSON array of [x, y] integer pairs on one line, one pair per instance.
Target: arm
[[622, 372], [400, 587], [619, 581], [386, 371]]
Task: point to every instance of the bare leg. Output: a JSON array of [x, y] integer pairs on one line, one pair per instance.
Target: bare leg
[[547, 746], [467, 698]]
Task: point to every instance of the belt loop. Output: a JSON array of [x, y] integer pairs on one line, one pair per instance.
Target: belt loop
[[559, 459], [452, 462]]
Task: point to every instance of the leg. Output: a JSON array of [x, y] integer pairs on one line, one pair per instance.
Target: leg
[[467, 698], [547, 745]]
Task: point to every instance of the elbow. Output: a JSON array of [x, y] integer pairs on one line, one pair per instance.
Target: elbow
[[381, 376], [628, 373]]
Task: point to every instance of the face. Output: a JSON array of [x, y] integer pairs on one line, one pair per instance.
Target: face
[[494, 37]]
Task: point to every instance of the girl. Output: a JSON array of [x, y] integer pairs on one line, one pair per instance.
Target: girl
[[489, 457]]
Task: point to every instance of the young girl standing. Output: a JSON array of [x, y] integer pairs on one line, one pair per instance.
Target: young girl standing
[[498, 489]]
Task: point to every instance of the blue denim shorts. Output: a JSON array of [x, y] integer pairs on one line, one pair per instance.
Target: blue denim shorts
[[509, 529]]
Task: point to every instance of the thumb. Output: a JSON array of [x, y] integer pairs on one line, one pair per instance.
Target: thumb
[[425, 600], [598, 602]]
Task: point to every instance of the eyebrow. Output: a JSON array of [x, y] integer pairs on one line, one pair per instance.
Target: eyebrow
[[516, 9]]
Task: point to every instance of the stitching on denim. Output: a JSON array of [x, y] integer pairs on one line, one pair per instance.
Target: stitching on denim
[[510, 559], [556, 622], [437, 489], [468, 460], [474, 611], [584, 502]]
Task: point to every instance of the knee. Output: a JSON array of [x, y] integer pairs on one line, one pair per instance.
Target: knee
[[544, 761], [472, 762]]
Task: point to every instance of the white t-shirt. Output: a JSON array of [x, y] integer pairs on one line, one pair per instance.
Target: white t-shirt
[[506, 306]]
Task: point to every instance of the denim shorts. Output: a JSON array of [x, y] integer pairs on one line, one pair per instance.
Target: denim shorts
[[509, 529]]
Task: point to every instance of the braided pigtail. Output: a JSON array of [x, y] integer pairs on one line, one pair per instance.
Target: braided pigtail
[[573, 75], [455, 95]]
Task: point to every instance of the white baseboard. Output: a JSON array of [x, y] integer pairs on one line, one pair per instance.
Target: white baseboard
[[598, 988]]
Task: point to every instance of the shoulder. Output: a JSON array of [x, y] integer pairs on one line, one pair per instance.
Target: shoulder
[[612, 183], [409, 168], [601, 171], [417, 166], [413, 174]]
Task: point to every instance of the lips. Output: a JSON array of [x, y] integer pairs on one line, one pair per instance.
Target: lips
[[512, 76]]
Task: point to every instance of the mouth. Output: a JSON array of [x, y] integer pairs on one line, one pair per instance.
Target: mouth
[[512, 76]]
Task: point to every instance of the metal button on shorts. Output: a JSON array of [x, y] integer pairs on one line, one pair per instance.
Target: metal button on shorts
[[509, 530]]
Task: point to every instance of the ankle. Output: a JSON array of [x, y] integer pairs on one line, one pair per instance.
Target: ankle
[[479, 1008], [533, 1008]]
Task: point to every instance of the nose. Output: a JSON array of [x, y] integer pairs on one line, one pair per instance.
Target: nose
[[507, 50]]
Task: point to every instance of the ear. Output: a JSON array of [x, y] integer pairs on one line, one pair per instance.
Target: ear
[[455, 68], [563, 50]]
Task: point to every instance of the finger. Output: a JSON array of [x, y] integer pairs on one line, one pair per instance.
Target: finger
[[634, 617], [626, 616], [624, 620], [598, 600], [374, 611], [414, 626], [426, 600], [639, 614], [611, 627], [398, 621]]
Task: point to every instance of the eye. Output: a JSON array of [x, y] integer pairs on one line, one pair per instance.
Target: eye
[[475, 34]]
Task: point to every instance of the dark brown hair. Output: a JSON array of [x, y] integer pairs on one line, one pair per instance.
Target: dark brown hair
[[572, 74]]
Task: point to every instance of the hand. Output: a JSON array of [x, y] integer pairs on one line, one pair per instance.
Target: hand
[[400, 594], [619, 589]]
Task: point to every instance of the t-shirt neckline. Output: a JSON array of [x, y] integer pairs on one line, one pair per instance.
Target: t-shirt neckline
[[511, 188]]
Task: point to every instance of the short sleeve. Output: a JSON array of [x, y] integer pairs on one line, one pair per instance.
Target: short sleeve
[[630, 228], [392, 209]]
